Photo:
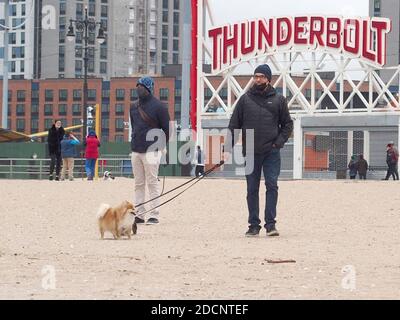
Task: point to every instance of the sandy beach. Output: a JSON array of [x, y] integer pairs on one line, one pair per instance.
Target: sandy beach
[[343, 236]]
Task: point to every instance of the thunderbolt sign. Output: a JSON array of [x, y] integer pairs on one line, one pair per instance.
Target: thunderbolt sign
[[363, 38]]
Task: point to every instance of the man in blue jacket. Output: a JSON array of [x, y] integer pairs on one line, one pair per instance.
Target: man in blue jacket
[[265, 112], [150, 134]]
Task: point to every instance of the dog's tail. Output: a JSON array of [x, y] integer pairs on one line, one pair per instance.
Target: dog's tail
[[102, 210]]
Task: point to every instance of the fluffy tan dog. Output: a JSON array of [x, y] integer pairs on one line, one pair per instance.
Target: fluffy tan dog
[[118, 220]]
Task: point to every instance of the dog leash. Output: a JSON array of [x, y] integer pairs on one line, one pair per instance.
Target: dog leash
[[178, 187]]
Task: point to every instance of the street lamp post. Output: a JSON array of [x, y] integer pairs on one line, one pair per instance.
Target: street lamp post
[[85, 25]]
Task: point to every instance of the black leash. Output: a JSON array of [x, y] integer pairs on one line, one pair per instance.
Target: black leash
[[178, 187]]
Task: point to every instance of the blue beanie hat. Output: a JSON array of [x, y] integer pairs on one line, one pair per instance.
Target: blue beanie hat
[[147, 82], [265, 70], [92, 133]]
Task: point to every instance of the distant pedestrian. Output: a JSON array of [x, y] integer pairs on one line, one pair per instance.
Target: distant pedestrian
[[199, 162], [92, 145], [392, 159], [55, 135], [353, 167], [68, 153], [362, 167]]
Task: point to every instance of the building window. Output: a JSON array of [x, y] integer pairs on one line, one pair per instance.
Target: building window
[[22, 37], [176, 4], [165, 4], [103, 52], [120, 94], [176, 30], [35, 95], [105, 109], [34, 125], [176, 17], [119, 109], [12, 38], [63, 95], [119, 125], [164, 57], [103, 67], [105, 123], [48, 95], [104, 11], [165, 16], [92, 94], [21, 95], [76, 109], [34, 109], [48, 123], [78, 65], [78, 52], [134, 95], [164, 94], [77, 95], [48, 109], [21, 125], [92, 9], [20, 110], [119, 138], [176, 45], [165, 30], [164, 44], [175, 58], [91, 65], [106, 94], [62, 109], [63, 8]]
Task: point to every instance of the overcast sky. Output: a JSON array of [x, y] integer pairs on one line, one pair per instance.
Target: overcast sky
[[238, 10]]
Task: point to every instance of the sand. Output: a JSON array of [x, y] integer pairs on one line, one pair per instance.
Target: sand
[[343, 235]]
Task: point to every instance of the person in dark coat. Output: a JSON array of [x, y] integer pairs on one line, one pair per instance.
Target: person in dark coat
[[92, 145], [353, 167], [362, 167], [199, 170], [265, 112], [392, 159], [55, 135], [150, 134]]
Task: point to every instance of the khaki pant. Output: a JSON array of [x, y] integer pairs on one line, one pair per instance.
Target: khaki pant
[[145, 170], [67, 166]]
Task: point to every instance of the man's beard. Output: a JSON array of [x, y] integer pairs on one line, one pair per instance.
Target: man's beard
[[260, 87]]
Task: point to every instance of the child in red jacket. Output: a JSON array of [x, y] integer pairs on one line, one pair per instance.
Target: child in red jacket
[[91, 153]]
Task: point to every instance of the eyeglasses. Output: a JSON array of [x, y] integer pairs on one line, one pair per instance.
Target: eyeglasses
[[259, 76]]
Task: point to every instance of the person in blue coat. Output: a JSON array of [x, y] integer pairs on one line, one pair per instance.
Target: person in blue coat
[[68, 152]]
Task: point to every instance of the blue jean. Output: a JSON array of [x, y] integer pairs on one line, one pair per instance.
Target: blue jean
[[89, 167], [270, 163]]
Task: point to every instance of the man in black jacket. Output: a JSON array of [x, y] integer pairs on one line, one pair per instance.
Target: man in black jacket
[[55, 135], [265, 112], [150, 134]]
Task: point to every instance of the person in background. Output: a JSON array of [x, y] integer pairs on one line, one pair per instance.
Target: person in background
[[55, 135], [199, 162], [68, 152], [353, 167], [92, 145], [392, 159], [362, 167]]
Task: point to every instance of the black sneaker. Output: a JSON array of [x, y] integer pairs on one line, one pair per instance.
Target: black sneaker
[[152, 221], [253, 231], [139, 220], [57, 178], [51, 177], [272, 232]]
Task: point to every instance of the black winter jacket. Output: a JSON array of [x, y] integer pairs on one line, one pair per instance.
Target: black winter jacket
[[157, 111], [267, 113], [54, 139]]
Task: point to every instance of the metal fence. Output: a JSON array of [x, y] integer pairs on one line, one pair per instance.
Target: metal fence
[[19, 168]]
